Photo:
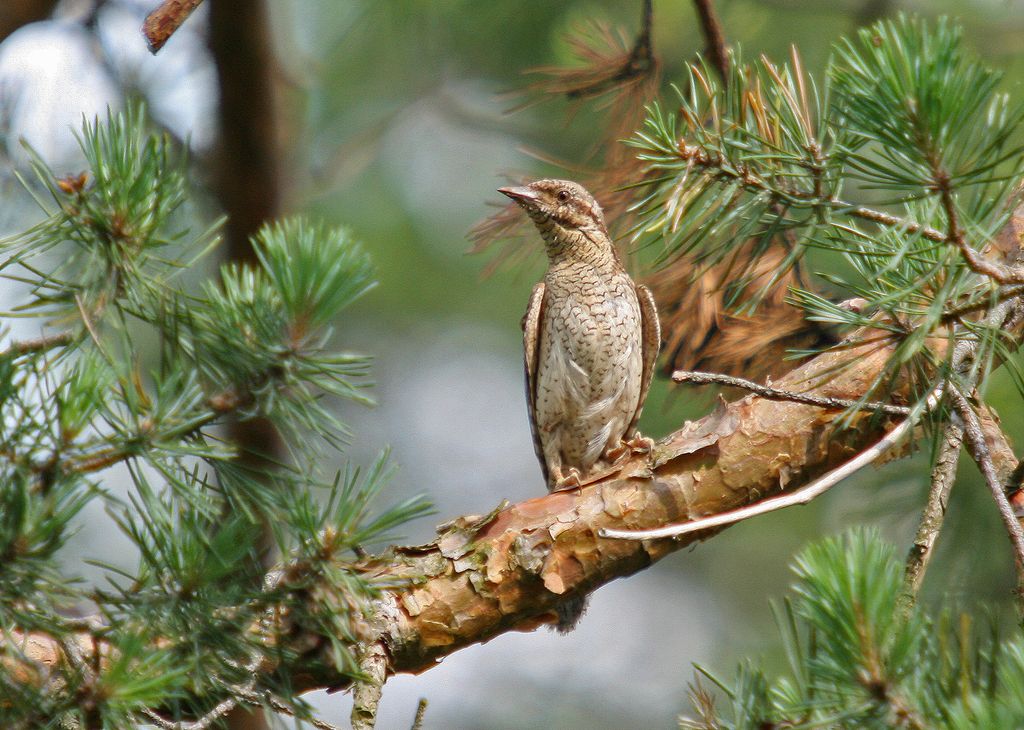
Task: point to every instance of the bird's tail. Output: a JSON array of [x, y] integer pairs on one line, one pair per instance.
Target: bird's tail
[[570, 611]]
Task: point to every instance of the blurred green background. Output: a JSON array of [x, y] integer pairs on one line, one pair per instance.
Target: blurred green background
[[393, 122]]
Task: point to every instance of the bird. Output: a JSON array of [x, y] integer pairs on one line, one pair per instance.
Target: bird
[[590, 341]]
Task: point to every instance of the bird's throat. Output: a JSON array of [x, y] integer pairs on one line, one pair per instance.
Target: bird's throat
[[586, 245]]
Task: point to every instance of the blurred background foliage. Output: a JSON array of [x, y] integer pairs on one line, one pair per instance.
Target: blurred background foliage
[[392, 121]]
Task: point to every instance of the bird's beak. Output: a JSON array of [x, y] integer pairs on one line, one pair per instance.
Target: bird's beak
[[521, 194]]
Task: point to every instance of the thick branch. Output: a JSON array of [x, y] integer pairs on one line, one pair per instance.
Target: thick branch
[[508, 570]]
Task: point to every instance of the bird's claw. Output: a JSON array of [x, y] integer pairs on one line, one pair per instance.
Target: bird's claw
[[572, 479], [637, 444], [640, 444]]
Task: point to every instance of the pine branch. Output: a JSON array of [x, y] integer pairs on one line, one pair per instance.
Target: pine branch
[[787, 196], [508, 570], [855, 660]]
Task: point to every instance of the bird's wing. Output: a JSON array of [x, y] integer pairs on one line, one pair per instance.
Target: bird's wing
[[531, 356], [650, 329]]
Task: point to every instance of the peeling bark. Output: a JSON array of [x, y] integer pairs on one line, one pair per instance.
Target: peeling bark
[[507, 570]]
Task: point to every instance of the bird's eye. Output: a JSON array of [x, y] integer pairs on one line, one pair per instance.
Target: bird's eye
[[563, 196]]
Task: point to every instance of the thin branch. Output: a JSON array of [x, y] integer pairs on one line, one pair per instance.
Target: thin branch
[[999, 273], [366, 697], [980, 453], [714, 38], [39, 344], [800, 496], [203, 723], [421, 712], [752, 182], [943, 476], [163, 22], [700, 378], [887, 220], [275, 704], [983, 303], [226, 402]]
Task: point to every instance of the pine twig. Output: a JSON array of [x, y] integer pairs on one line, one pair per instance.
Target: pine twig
[[366, 696], [421, 711], [1010, 292], [943, 476], [998, 272], [1009, 470], [163, 22], [275, 704], [203, 723], [982, 456], [714, 38], [800, 496], [700, 378], [39, 344]]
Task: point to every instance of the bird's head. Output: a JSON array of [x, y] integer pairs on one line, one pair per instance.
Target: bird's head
[[567, 216]]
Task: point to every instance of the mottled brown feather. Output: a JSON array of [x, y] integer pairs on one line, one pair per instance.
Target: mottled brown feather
[[531, 333], [651, 343]]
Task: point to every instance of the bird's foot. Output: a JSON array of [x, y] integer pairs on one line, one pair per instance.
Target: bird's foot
[[636, 445], [572, 479], [639, 444]]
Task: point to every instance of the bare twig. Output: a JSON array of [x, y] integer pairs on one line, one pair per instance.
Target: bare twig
[[699, 378], [159, 721], [979, 451], [366, 697], [162, 23], [998, 272], [1003, 457], [889, 221], [714, 38], [421, 711], [800, 496], [943, 476], [203, 723], [275, 704], [1010, 472], [39, 344], [976, 305]]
